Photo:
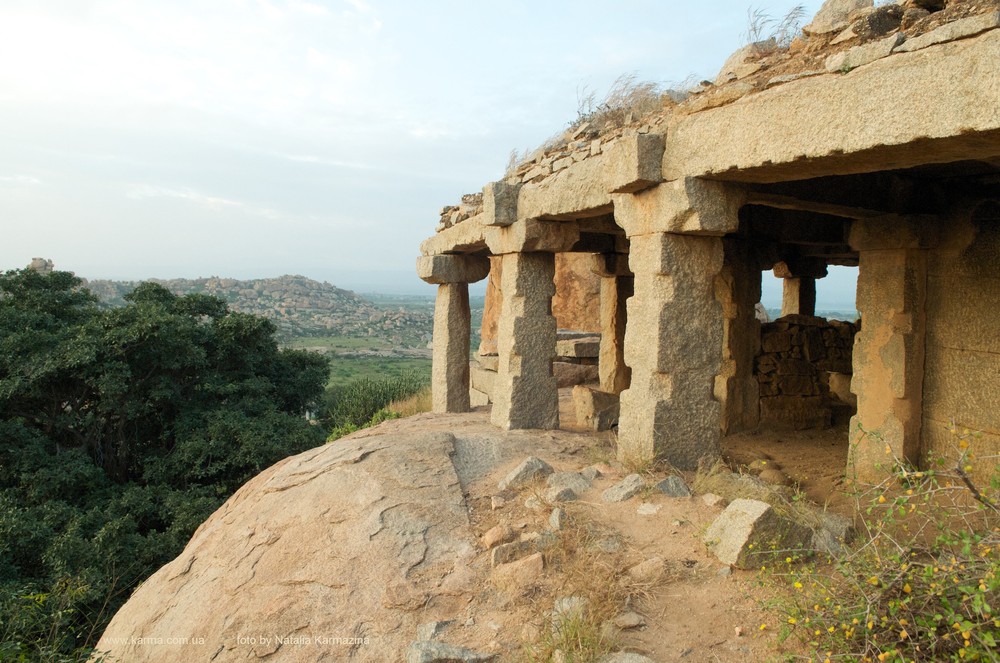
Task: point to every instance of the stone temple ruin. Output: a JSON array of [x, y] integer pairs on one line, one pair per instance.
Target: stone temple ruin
[[879, 148]]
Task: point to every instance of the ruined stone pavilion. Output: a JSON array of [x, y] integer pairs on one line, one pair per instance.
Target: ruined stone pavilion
[[886, 158]]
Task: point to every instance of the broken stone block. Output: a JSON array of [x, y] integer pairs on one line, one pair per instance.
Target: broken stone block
[[960, 29], [557, 494], [595, 409], [673, 486], [438, 652], [862, 55], [522, 572], [511, 552], [833, 16], [587, 347], [574, 480], [431, 630], [570, 375], [530, 469], [497, 535], [749, 534], [628, 487], [832, 534], [648, 571]]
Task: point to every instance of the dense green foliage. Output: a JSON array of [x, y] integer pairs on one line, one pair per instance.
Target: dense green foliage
[[362, 402], [121, 430]]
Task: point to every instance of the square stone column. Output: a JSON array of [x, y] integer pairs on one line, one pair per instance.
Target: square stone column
[[889, 348], [798, 296], [452, 326], [674, 346], [525, 392], [450, 355], [738, 290], [617, 285]]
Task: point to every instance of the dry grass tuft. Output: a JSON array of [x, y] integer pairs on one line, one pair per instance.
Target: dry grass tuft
[[411, 405]]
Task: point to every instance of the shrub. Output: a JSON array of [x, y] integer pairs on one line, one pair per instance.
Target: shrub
[[921, 582]]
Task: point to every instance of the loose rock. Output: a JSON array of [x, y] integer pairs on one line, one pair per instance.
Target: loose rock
[[529, 470], [673, 486], [628, 487]]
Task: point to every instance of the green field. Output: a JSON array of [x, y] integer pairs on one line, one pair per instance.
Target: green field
[[338, 343], [344, 370]]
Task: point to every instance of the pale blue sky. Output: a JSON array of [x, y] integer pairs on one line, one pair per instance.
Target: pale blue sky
[[251, 138]]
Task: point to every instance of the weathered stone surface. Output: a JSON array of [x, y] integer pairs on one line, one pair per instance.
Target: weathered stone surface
[[686, 205], [673, 486], [452, 268], [749, 533], [573, 480], [481, 378], [576, 304], [532, 235], [578, 191], [669, 410], [648, 571], [588, 347], [450, 366], [500, 203], [557, 494], [629, 487], [432, 651], [470, 235], [521, 573], [615, 291], [736, 66], [569, 375], [529, 470], [629, 620], [290, 545], [595, 409], [634, 162], [477, 398], [864, 54], [960, 29], [498, 534], [511, 552], [711, 499], [833, 16], [832, 534], [568, 609], [826, 137], [526, 395]]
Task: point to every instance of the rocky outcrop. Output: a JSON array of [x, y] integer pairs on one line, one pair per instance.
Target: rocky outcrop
[[328, 555]]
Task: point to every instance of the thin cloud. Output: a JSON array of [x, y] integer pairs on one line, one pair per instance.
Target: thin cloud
[[19, 180]]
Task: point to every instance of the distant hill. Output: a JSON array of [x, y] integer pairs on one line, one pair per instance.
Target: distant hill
[[298, 306]]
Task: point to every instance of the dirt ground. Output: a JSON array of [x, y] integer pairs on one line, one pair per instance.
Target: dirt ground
[[697, 610]]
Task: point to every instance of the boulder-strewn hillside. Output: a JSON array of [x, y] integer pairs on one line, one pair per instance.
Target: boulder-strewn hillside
[[299, 306]]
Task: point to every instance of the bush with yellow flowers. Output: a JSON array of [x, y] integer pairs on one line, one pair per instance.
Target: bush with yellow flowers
[[920, 582]]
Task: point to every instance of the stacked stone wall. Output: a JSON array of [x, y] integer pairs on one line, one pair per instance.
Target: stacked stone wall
[[798, 353]]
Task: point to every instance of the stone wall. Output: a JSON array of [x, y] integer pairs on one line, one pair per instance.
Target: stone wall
[[962, 369], [798, 353]]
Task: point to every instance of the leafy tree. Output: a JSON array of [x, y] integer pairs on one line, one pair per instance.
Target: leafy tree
[[121, 430]]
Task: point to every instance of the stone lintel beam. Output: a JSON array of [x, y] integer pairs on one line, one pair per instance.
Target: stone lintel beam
[[450, 354], [533, 235], [500, 203], [467, 236], [453, 268], [895, 232], [635, 162], [686, 206], [822, 132], [781, 201], [794, 268], [525, 391], [673, 345]]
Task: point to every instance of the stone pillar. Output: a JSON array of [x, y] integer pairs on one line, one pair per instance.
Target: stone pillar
[[452, 325], [450, 364], [889, 349], [738, 290], [525, 392], [617, 285], [798, 296], [673, 345]]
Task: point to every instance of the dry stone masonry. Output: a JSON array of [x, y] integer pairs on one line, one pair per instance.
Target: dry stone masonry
[[872, 140]]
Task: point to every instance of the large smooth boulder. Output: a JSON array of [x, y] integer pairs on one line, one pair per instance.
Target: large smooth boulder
[[332, 554]]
